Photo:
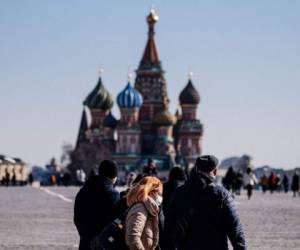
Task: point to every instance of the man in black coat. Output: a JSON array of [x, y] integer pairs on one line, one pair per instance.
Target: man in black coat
[[177, 178], [201, 214], [96, 203]]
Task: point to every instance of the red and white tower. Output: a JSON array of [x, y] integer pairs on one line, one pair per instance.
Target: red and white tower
[[151, 83]]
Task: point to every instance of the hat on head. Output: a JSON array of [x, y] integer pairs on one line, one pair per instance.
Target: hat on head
[[150, 161], [108, 169], [177, 174], [206, 163]]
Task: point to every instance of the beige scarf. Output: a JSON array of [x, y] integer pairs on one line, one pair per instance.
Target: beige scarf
[[153, 210]]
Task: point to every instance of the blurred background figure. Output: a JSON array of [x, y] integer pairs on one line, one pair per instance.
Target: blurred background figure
[[249, 181], [229, 181], [30, 178], [278, 183], [264, 183], [295, 184], [177, 178], [285, 183], [150, 169], [130, 179], [272, 182], [66, 178], [80, 177], [238, 184]]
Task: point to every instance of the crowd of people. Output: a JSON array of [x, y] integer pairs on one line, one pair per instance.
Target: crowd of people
[[189, 211], [235, 181]]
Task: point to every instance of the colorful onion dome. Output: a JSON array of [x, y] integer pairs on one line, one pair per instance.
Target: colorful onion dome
[[129, 98], [189, 95], [165, 118], [110, 121], [99, 98]]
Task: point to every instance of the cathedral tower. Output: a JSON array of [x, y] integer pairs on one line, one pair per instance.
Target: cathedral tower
[[151, 83], [128, 129], [189, 129]]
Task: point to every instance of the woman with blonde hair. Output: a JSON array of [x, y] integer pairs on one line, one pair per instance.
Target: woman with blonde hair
[[142, 229]]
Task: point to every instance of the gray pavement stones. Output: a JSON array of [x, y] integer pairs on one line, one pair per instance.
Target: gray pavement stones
[[32, 219]]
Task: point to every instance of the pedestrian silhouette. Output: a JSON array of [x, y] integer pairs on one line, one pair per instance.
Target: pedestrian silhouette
[[295, 184]]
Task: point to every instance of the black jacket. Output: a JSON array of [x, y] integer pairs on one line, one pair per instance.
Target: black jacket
[[96, 205], [202, 216], [168, 190]]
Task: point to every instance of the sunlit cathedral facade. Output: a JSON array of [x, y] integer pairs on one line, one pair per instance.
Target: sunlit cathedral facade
[[146, 128]]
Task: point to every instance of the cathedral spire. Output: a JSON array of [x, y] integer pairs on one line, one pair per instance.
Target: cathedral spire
[[150, 57], [82, 129]]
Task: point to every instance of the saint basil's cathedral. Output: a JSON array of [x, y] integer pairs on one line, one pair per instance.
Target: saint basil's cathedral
[[146, 128]]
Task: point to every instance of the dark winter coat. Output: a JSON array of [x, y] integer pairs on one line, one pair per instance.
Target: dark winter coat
[[168, 190], [202, 216], [295, 182], [96, 205]]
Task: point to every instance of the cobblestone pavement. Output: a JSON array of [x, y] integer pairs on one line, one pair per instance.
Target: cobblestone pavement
[[33, 219]]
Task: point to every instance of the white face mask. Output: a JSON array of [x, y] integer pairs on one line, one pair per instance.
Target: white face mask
[[159, 200]]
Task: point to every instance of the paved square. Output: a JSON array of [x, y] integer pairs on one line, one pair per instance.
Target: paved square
[[37, 220]]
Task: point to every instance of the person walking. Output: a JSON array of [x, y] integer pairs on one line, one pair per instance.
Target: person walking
[[201, 214], [285, 183], [229, 180], [150, 169], [238, 182], [250, 181], [142, 220], [272, 182], [177, 178], [295, 184], [264, 183], [96, 203]]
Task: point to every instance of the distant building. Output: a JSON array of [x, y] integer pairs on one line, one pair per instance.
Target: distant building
[[13, 168], [238, 163], [146, 129]]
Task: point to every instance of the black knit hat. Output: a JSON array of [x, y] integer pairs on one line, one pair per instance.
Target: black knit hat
[[177, 174], [108, 169], [206, 163]]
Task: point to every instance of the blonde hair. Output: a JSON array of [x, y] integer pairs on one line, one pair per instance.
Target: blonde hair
[[141, 191]]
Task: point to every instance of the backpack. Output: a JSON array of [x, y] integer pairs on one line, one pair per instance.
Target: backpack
[[112, 236]]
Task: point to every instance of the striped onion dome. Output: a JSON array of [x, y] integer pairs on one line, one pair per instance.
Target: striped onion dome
[[129, 98], [99, 98]]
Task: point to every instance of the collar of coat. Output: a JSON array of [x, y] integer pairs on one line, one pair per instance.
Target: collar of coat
[[200, 180]]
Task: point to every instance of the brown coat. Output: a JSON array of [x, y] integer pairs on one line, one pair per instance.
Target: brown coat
[[142, 230]]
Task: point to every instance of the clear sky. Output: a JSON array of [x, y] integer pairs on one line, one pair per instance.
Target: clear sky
[[245, 56]]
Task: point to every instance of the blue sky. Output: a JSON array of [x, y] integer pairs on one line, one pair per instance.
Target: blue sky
[[245, 57]]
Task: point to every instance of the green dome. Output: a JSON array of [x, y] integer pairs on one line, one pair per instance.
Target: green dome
[[99, 98]]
